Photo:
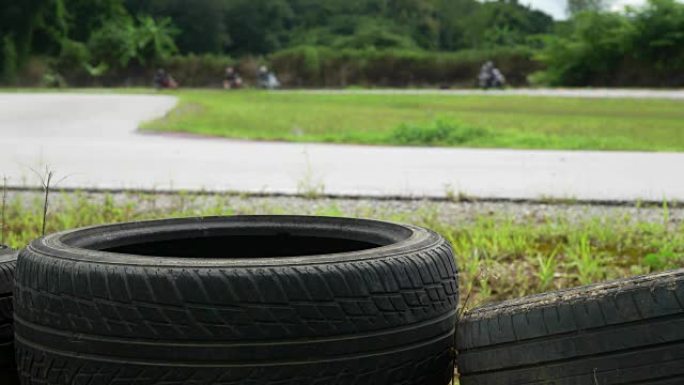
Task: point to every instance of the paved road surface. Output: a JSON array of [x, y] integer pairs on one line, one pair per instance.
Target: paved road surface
[[92, 140]]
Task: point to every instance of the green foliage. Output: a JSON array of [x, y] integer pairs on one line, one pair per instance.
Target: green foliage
[[155, 39], [370, 34], [576, 7], [644, 47], [350, 42], [73, 54], [53, 80], [595, 47], [440, 132], [658, 34], [203, 23], [665, 258], [29, 24], [258, 26], [120, 41], [197, 70], [83, 17], [315, 66], [547, 265], [263, 26], [8, 59], [114, 43], [506, 23]]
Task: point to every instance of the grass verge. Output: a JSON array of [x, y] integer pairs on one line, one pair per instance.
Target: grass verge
[[501, 253], [431, 120]]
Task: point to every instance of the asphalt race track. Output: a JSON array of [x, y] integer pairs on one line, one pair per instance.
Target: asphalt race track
[[91, 141]]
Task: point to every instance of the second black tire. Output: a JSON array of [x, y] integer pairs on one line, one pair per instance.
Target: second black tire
[[237, 300], [629, 331], [8, 259]]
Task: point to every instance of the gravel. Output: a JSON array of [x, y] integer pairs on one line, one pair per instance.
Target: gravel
[[452, 212]]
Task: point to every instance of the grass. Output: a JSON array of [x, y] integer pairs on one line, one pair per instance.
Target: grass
[[500, 256], [431, 119]]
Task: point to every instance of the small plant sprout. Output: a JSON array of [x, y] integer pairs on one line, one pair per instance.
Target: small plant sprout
[[547, 268], [308, 187], [588, 264], [452, 195], [449, 193]]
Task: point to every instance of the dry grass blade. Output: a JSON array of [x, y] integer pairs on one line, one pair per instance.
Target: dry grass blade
[[46, 186], [3, 224], [46, 183]]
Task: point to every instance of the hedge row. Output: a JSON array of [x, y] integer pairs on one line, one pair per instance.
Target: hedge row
[[189, 71], [303, 67], [310, 66]]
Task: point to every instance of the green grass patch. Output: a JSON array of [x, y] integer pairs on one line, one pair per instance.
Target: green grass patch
[[500, 256], [431, 120]]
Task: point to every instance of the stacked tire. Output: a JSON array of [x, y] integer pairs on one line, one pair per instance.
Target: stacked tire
[[238, 300], [629, 331], [291, 300], [8, 259]]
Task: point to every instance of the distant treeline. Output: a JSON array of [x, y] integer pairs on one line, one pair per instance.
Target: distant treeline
[[337, 43]]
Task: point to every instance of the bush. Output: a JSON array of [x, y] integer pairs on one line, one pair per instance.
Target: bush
[[303, 66], [190, 71], [440, 132], [644, 47], [594, 49], [198, 70], [9, 59], [73, 54], [313, 66], [114, 43]]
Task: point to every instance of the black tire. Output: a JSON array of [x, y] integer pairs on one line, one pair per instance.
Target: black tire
[[8, 260], [629, 331], [346, 302]]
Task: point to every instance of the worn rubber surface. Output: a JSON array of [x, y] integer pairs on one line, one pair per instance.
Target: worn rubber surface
[[381, 316], [8, 259], [629, 331]]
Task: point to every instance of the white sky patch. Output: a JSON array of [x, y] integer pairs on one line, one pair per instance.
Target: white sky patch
[[619, 5], [557, 8]]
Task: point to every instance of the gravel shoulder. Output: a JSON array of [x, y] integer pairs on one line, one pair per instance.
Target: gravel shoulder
[[450, 212]]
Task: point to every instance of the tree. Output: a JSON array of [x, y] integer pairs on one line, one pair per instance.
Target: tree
[[577, 6], [123, 40], [419, 16], [201, 23], [51, 28], [155, 39], [659, 36], [259, 26], [376, 33], [453, 18], [86, 16], [592, 53], [645, 46], [22, 21], [505, 23], [114, 43]]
